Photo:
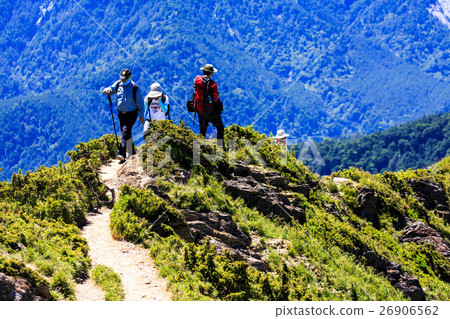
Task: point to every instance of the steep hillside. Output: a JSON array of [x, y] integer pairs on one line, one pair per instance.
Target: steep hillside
[[40, 215], [390, 66], [412, 145], [245, 225], [245, 231]]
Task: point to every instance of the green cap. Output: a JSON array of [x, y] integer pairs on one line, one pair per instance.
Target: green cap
[[209, 68]]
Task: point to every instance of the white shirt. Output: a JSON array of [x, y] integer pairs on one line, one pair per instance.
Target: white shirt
[[156, 113]]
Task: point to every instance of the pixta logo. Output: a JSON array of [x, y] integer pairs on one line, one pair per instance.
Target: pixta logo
[[305, 151]]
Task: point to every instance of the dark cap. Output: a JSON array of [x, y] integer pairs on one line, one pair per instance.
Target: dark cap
[[125, 73]]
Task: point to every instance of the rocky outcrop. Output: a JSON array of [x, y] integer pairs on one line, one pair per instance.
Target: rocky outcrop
[[264, 198], [409, 285], [132, 173], [196, 227], [430, 194], [418, 232], [267, 191], [333, 210], [19, 289], [223, 232], [368, 205]]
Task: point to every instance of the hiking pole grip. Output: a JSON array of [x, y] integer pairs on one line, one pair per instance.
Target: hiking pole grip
[[112, 117]]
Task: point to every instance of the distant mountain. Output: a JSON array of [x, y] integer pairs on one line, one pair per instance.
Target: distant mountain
[[413, 145], [38, 129], [315, 68]]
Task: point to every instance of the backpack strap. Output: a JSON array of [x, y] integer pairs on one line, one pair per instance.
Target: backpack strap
[[207, 90], [194, 93], [163, 99], [168, 112], [135, 88], [148, 108]]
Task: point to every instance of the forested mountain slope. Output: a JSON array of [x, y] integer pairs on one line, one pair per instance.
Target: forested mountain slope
[[412, 145], [387, 62]]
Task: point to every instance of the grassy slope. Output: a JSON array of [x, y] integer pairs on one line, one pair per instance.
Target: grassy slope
[[40, 216], [321, 263]]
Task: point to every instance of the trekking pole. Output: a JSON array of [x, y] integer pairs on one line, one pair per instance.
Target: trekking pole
[[112, 117]]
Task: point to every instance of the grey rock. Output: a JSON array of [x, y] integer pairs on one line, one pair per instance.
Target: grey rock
[[409, 285], [264, 198], [430, 194], [368, 205], [303, 189], [20, 289], [278, 181], [419, 233]]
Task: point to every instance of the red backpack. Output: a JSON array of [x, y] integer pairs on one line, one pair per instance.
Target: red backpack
[[204, 101]]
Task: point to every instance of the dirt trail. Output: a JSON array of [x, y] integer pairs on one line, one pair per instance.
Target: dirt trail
[[132, 263]]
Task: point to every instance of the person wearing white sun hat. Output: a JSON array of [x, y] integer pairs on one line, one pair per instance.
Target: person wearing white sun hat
[[281, 137], [156, 106]]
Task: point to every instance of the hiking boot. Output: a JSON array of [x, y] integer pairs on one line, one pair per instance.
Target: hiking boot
[[121, 159]]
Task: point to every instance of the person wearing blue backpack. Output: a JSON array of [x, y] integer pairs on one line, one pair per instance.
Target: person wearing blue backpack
[[130, 104]]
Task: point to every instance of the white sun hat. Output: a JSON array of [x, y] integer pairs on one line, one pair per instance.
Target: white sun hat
[[155, 91], [281, 134]]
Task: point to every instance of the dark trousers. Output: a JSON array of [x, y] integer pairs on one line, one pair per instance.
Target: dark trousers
[[127, 120], [215, 120]]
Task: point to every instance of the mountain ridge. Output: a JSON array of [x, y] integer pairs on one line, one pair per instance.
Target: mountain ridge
[[412, 145], [260, 48], [230, 229]]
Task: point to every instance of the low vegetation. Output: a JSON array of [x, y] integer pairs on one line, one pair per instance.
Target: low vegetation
[[320, 258], [324, 256], [41, 212], [110, 282]]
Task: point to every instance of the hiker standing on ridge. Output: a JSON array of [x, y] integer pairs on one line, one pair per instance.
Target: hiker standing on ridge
[[207, 102], [156, 106], [129, 104], [281, 137]]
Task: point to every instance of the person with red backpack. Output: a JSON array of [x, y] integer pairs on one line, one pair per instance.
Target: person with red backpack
[[207, 102]]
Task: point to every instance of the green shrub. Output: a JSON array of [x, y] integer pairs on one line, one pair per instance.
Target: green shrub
[[110, 282], [63, 284], [181, 142], [137, 210], [16, 268], [96, 151]]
